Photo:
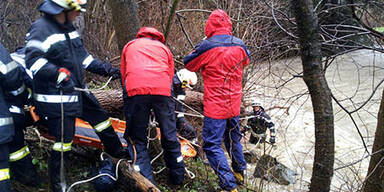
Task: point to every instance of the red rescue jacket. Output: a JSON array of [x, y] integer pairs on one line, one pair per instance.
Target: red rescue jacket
[[221, 58], [147, 65]]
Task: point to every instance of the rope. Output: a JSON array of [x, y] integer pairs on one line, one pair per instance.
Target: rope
[[63, 182], [101, 174], [189, 114], [201, 115], [157, 156], [100, 88]]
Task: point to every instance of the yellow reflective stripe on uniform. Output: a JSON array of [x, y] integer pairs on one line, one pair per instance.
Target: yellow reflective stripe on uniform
[[62, 146], [15, 156], [4, 174], [103, 125], [6, 121], [6, 68]]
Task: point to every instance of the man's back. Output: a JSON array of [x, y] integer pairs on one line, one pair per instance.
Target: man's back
[[147, 66]]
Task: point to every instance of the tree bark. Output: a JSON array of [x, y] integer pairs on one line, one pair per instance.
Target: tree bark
[[125, 20], [308, 30], [112, 101], [375, 178], [132, 178]]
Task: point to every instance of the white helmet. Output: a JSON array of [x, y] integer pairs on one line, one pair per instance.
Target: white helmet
[[257, 103], [187, 77]]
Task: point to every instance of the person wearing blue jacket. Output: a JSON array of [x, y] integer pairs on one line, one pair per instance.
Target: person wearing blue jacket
[[10, 81], [20, 158], [56, 56], [221, 58]]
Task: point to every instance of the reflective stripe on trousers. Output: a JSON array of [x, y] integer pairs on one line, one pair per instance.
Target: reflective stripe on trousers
[[15, 156], [4, 174], [59, 146]]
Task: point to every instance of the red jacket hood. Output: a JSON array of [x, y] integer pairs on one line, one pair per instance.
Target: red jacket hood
[[218, 23], [152, 33]]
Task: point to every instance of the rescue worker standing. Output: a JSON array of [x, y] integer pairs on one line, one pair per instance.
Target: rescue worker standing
[[147, 68], [221, 58], [10, 74], [259, 125], [182, 80], [55, 55], [20, 159]]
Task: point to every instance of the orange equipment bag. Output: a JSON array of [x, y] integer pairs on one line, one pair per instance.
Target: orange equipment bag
[[86, 136]]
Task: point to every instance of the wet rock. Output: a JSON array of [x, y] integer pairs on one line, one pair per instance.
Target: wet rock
[[268, 168]]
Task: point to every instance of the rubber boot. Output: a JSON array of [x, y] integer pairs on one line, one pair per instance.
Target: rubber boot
[[112, 143]]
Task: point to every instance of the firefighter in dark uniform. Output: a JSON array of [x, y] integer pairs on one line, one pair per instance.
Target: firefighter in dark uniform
[[259, 124], [56, 56], [10, 74], [181, 80], [20, 159]]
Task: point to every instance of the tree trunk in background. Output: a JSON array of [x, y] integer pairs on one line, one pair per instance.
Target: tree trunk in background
[[308, 30], [125, 20], [375, 175]]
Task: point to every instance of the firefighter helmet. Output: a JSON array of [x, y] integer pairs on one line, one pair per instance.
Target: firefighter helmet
[[55, 7]]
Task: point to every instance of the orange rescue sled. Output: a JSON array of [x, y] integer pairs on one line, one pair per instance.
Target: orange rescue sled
[[86, 136]]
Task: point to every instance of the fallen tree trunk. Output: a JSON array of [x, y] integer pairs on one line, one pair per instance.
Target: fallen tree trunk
[[112, 101], [130, 178]]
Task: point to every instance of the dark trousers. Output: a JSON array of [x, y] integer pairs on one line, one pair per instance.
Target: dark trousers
[[137, 111], [97, 117], [213, 133], [21, 165], [5, 184]]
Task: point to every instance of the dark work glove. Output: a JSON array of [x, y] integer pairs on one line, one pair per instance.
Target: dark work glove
[[272, 139], [245, 129], [115, 73], [67, 86]]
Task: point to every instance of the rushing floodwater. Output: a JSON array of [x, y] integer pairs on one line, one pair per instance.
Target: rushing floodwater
[[352, 79]]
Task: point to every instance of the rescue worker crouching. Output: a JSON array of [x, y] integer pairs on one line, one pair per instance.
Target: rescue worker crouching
[[20, 159], [182, 80], [147, 68], [259, 125], [221, 58], [56, 56], [10, 80]]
